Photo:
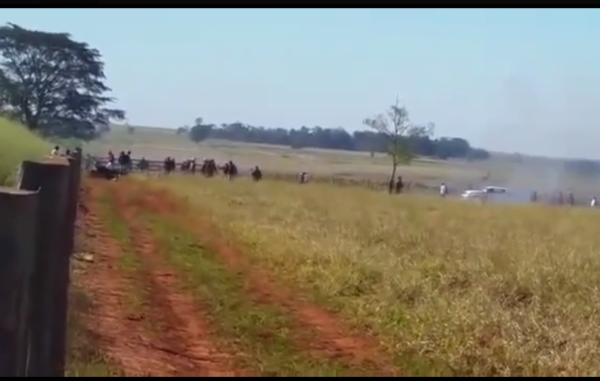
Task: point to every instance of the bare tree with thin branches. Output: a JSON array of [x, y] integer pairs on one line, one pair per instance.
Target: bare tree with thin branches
[[395, 124]]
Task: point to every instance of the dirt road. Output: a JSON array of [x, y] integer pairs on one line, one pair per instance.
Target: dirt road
[[173, 296]]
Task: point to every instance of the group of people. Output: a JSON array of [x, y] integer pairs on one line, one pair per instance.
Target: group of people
[[121, 164], [208, 167], [115, 166], [570, 200], [111, 168], [56, 151], [558, 199]]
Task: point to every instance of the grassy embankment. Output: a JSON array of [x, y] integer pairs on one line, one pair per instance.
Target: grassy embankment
[[17, 144]]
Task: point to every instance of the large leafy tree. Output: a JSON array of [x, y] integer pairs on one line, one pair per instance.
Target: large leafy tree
[[54, 84]]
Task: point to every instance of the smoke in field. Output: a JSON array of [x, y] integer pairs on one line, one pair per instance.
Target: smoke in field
[[556, 121]]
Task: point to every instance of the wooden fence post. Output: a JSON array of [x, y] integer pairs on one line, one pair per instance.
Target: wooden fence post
[[51, 178], [18, 212], [59, 347]]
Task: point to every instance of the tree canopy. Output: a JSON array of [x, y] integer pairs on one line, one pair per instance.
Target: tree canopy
[[396, 126], [53, 84], [199, 131]]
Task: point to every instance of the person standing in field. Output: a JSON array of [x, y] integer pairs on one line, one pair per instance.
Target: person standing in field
[[443, 190], [55, 151], [571, 199], [256, 174], [594, 202], [396, 185], [303, 177], [560, 198], [533, 197]]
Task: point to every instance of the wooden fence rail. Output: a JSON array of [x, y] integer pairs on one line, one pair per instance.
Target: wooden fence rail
[[158, 166], [37, 232]]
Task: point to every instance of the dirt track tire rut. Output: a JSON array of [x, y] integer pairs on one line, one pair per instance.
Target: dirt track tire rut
[[183, 326]]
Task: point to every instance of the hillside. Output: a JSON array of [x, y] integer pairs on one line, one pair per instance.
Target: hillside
[[17, 144]]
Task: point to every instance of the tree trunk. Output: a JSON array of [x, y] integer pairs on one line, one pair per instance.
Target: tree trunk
[[393, 176]]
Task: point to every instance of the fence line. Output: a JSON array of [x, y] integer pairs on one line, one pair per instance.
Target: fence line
[[543, 197], [158, 166], [37, 232]]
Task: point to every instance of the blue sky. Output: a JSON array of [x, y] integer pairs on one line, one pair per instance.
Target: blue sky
[[511, 80]]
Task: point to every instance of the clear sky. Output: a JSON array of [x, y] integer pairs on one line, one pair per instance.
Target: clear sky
[[511, 80]]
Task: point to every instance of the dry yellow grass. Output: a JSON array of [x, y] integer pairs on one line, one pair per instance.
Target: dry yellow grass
[[448, 288]]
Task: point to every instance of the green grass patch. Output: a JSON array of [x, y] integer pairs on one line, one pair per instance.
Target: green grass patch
[[17, 143], [130, 263], [84, 358], [261, 332]]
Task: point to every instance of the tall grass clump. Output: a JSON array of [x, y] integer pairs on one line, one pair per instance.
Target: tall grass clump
[[17, 143]]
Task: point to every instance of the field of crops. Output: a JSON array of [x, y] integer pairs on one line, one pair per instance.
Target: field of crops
[[410, 285]]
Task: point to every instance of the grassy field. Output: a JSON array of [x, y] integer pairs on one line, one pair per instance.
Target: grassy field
[[172, 298], [159, 143], [16, 145], [529, 173], [447, 288], [278, 279]]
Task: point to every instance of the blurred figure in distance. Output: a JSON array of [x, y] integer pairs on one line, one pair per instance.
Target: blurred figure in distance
[[443, 190]]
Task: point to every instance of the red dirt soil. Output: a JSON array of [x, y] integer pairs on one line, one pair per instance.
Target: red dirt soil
[[114, 327], [180, 349], [333, 339], [184, 326]]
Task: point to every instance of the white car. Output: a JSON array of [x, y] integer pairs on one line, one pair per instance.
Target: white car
[[496, 194]]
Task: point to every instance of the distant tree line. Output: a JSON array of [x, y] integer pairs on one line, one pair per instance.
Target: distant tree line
[[333, 138], [583, 167]]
